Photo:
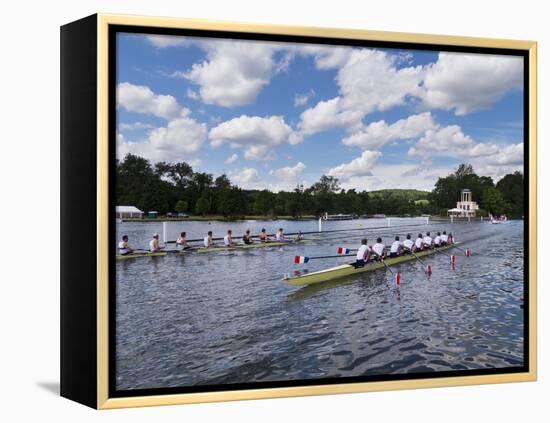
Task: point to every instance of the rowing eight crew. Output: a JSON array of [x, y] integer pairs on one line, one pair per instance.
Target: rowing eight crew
[[228, 240], [366, 253], [124, 247]]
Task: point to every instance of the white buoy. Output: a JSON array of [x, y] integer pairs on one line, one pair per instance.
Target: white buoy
[[164, 232], [427, 220], [389, 222], [320, 224], [452, 218]]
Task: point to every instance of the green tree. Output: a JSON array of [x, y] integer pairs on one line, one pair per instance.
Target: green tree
[[202, 206], [181, 206], [512, 188], [493, 201]]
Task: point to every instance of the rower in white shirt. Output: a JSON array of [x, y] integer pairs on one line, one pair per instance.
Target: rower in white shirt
[[444, 238], [154, 245], [123, 246], [208, 240], [363, 254], [181, 242], [408, 244], [379, 249], [280, 236], [228, 239], [427, 241], [437, 240], [396, 247], [419, 243]]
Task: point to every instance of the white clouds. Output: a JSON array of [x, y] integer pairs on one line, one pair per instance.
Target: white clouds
[[509, 155], [377, 134], [450, 141], [288, 173], [164, 41], [255, 134], [135, 126], [469, 82], [233, 73], [361, 166], [247, 178], [140, 99], [231, 159], [326, 57], [368, 81], [301, 100], [327, 115], [178, 141]]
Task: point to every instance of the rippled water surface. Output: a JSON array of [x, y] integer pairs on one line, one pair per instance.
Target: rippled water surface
[[202, 319]]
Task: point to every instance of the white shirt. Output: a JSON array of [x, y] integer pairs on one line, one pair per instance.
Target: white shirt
[[362, 252], [180, 241], [427, 240], [437, 240], [408, 244], [206, 242], [226, 240], [444, 238], [379, 248], [418, 242], [152, 245], [395, 247], [279, 236]]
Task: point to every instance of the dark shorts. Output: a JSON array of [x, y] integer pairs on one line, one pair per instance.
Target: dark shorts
[[359, 263], [394, 255]]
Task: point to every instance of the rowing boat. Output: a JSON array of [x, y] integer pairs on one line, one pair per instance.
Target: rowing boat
[[349, 269], [139, 255], [246, 246], [214, 249]]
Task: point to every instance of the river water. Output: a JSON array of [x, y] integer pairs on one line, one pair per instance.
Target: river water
[[227, 317]]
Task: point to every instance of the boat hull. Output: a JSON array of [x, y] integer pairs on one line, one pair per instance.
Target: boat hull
[[348, 269]]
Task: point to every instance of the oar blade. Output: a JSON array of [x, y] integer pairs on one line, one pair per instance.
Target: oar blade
[[397, 278], [343, 250]]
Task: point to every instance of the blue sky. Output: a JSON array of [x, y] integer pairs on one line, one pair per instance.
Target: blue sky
[[274, 115]]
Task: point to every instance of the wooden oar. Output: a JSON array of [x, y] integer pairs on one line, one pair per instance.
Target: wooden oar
[[452, 257], [305, 259], [428, 268], [396, 276], [467, 251]]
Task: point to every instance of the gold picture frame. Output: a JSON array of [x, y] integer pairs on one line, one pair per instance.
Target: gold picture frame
[[102, 262]]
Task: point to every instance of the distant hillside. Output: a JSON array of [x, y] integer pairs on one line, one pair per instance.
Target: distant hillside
[[406, 194]]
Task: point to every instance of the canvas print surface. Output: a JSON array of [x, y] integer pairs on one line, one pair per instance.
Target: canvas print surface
[[290, 212]]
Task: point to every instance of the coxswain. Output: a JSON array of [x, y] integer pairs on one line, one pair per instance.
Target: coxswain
[[208, 240], [363, 253], [437, 240], [154, 245], [228, 239], [396, 247], [427, 241], [408, 244], [181, 242], [419, 243], [280, 236], [123, 246], [247, 238], [299, 237], [263, 236], [379, 249]]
